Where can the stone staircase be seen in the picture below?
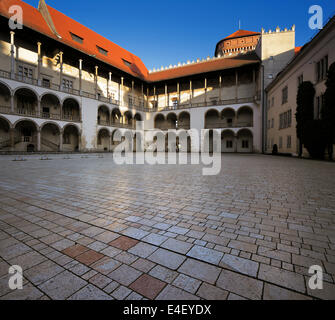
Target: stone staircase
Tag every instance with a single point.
(51, 145)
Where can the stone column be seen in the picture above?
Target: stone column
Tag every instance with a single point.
(235, 143)
(148, 97)
(191, 93)
(12, 106)
(61, 140)
(38, 140)
(12, 138)
(80, 75)
(155, 104)
(178, 92)
(61, 70)
(166, 96)
(38, 113)
(39, 63)
(79, 140)
(109, 82)
(96, 81)
(121, 92)
(12, 52)
(220, 87)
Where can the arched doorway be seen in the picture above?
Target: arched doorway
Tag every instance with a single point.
(103, 116)
(71, 110)
(128, 119)
(228, 143)
(50, 137)
(116, 117)
(103, 140)
(171, 121)
(228, 118)
(71, 138)
(26, 133)
(5, 97)
(212, 119)
(50, 107)
(137, 118)
(184, 121)
(245, 117)
(244, 141)
(160, 122)
(5, 141)
(26, 102)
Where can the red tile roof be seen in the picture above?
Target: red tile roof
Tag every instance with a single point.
(203, 67)
(64, 25)
(297, 50)
(32, 18)
(241, 33)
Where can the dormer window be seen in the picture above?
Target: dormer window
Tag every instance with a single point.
(102, 51)
(77, 38)
(127, 63)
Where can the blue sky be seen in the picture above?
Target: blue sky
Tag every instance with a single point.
(171, 31)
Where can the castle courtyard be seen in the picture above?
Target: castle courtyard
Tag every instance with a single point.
(82, 227)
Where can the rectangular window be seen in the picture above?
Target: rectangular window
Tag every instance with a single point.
(102, 51)
(46, 83)
(300, 79)
(127, 63)
(77, 38)
(25, 72)
(245, 144)
(289, 142)
(322, 69)
(273, 101)
(229, 144)
(284, 95)
(67, 84)
(280, 142)
(285, 120)
(273, 123)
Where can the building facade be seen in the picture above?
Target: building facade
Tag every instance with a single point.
(311, 63)
(64, 87)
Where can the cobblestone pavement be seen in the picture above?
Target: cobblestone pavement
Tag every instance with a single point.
(86, 228)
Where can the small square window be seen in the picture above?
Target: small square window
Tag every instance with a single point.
(77, 38)
(102, 51)
(127, 63)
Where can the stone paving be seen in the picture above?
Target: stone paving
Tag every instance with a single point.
(86, 228)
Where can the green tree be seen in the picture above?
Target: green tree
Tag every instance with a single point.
(305, 111)
(328, 111)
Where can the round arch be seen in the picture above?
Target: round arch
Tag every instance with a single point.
(71, 138)
(159, 121)
(25, 135)
(50, 106)
(50, 136)
(212, 119)
(184, 120)
(103, 115)
(116, 115)
(5, 97)
(245, 116)
(71, 109)
(103, 139)
(26, 101)
(172, 120)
